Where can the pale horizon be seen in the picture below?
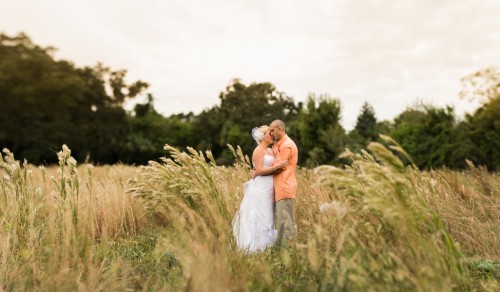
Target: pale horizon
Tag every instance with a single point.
(386, 53)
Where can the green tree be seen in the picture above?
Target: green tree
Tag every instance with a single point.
(244, 107)
(366, 124)
(47, 103)
(365, 131)
(430, 136)
(482, 129)
(321, 136)
(207, 131)
(150, 131)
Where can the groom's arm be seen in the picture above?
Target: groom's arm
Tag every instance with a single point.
(286, 154)
(278, 171)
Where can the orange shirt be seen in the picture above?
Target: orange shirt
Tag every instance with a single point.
(285, 183)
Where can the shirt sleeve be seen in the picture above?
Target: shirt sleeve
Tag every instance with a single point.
(286, 153)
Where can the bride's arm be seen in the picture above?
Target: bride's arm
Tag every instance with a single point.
(260, 169)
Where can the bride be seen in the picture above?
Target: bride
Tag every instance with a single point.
(253, 224)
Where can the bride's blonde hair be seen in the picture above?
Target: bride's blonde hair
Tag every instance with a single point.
(263, 129)
(258, 133)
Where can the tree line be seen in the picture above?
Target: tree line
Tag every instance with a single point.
(48, 102)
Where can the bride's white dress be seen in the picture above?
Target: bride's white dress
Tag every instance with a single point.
(253, 224)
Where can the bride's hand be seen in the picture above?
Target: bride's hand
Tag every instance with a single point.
(281, 164)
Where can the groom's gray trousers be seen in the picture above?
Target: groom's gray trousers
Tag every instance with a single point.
(285, 220)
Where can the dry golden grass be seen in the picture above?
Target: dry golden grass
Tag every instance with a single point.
(469, 203)
(376, 225)
(53, 220)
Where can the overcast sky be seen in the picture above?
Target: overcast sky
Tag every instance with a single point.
(389, 53)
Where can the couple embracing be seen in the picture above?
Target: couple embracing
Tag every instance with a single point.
(272, 190)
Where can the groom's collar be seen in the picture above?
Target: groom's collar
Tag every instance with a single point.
(279, 143)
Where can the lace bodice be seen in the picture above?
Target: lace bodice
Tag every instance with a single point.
(268, 160)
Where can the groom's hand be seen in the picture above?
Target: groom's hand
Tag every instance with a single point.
(253, 174)
(278, 171)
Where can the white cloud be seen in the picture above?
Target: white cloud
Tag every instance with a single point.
(385, 52)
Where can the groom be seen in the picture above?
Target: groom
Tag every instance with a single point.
(285, 182)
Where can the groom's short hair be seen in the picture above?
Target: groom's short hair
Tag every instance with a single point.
(279, 124)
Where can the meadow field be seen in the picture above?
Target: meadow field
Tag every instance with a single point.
(376, 225)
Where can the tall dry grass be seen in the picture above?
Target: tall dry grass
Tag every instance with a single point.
(53, 220)
(469, 204)
(376, 225)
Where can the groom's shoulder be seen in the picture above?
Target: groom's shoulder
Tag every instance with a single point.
(289, 142)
